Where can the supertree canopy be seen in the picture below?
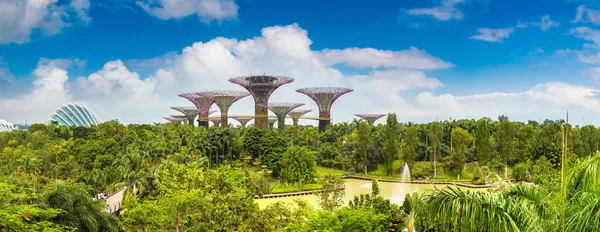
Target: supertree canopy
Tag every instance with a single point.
(189, 111)
(297, 114)
(370, 118)
(215, 120)
(281, 109)
(243, 120)
(173, 120)
(203, 105)
(224, 99)
(324, 97)
(261, 87)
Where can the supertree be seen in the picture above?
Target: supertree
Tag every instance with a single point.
(243, 120)
(189, 111)
(297, 114)
(224, 99)
(203, 105)
(173, 120)
(281, 109)
(271, 120)
(370, 118)
(324, 97)
(261, 87)
(215, 120)
(179, 116)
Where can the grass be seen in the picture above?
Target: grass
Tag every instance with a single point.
(322, 171)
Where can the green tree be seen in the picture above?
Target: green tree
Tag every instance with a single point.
(435, 133)
(590, 137)
(482, 141)
(374, 187)
(331, 196)
(505, 136)
(80, 210)
(526, 143)
(409, 145)
(365, 143)
(461, 140)
(390, 146)
(298, 165)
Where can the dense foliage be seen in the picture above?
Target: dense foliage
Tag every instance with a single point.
(180, 177)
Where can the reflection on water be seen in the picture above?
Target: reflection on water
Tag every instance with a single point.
(393, 191)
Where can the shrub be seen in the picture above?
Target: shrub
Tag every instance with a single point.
(520, 172)
(481, 175)
(421, 170)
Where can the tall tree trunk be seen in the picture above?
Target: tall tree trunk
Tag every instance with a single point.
(435, 162)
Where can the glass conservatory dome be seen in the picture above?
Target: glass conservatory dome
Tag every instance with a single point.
(6, 126)
(74, 115)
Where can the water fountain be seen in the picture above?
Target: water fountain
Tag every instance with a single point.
(406, 176)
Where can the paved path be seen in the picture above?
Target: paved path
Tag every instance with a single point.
(114, 201)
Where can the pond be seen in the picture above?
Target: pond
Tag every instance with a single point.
(393, 191)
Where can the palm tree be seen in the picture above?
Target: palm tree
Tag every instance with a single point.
(453, 209)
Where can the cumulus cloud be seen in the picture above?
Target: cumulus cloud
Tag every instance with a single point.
(373, 58)
(50, 90)
(206, 10)
(19, 19)
(493, 35)
(544, 24)
(447, 10)
(587, 15)
(547, 100)
(117, 92)
(6, 77)
(586, 33)
(81, 8)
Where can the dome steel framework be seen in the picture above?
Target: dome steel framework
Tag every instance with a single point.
(6, 126)
(73, 114)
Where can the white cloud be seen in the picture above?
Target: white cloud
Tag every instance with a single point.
(206, 10)
(18, 19)
(590, 59)
(594, 73)
(374, 58)
(586, 33)
(561, 52)
(544, 24)
(587, 15)
(447, 10)
(81, 8)
(6, 77)
(547, 100)
(493, 35)
(117, 92)
(50, 90)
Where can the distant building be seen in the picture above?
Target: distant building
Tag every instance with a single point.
(6, 126)
(74, 115)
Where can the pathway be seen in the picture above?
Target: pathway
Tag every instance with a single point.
(114, 201)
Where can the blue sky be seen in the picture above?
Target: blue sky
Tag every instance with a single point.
(427, 59)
